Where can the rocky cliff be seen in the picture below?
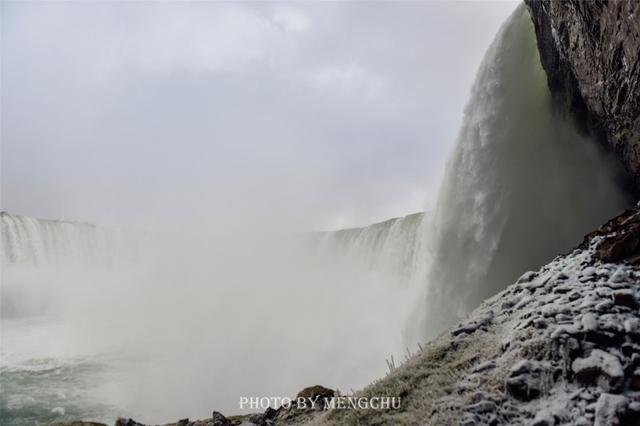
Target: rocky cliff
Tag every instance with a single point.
(591, 53)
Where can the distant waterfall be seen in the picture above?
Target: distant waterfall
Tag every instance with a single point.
(521, 187)
(27, 241)
(392, 247)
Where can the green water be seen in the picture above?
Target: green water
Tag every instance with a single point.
(45, 390)
(42, 381)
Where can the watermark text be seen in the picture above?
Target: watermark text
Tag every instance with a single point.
(321, 403)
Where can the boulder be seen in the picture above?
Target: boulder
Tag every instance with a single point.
(316, 391)
(600, 368)
(218, 419)
(525, 380)
(610, 409)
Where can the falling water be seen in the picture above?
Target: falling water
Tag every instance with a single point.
(30, 241)
(522, 186)
(391, 247)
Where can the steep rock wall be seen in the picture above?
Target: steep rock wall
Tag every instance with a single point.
(591, 53)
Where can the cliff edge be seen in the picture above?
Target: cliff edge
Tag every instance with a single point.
(590, 51)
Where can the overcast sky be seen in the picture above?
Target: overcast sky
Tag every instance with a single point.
(327, 114)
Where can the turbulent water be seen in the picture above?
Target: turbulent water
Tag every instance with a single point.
(42, 382)
(197, 320)
(204, 318)
(42, 378)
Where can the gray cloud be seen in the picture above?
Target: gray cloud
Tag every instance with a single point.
(321, 114)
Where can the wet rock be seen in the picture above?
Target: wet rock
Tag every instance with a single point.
(590, 51)
(525, 380)
(589, 322)
(588, 273)
(317, 395)
(582, 421)
(623, 246)
(472, 326)
(632, 326)
(540, 323)
(527, 277)
(604, 306)
(267, 418)
(600, 368)
(482, 407)
(634, 383)
(257, 419)
(621, 241)
(121, 421)
(316, 391)
(543, 418)
(470, 421)
(619, 276)
(624, 298)
(610, 409)
(77, 423)
(217, 419)
(633, 410)
(488, 365)
(604, 338)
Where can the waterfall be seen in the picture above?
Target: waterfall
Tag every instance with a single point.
(29, 242)
(391, 247)
(39, 257)
(522, 185)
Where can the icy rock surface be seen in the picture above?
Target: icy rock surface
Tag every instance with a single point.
(572, 340)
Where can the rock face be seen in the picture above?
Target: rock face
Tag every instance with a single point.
(621, 239)
(591, 53)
